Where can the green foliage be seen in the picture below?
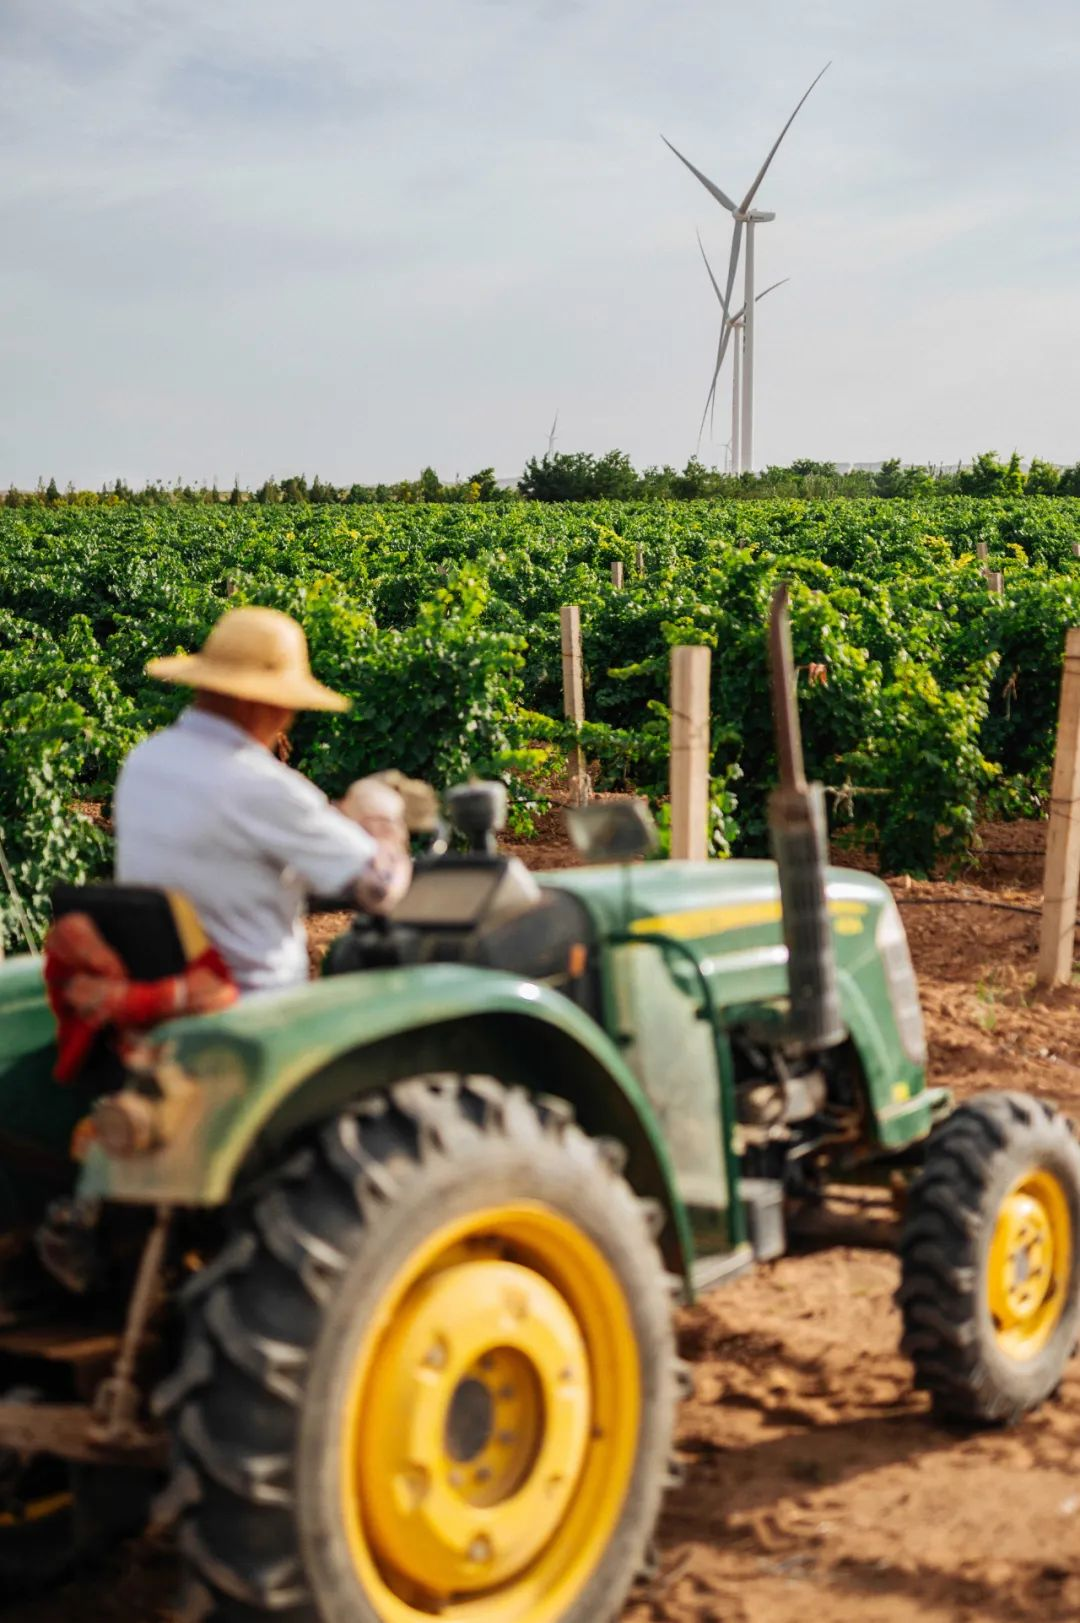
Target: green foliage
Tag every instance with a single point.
(1013, 479)
(64, 729)
(581, 476)
(893, 480)
(989, 477)
(578, 477)
(485, 485)
(1043, 479)
(925, 699)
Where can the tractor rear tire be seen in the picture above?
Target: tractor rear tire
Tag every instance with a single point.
(990, 1254)
(432, 1375)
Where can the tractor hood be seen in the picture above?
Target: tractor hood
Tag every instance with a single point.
(726, 907)
(728, 916)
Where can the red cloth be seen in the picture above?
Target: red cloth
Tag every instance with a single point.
(90, 989)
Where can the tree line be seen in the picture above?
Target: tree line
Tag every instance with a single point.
(578, 476)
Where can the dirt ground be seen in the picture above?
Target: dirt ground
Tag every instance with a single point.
(816, 1483)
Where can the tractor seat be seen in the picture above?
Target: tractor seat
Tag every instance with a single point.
(155, 932)
(119, 959)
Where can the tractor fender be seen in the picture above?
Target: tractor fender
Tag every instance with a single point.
(251, 1078)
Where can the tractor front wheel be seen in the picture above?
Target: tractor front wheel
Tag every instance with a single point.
(990, 1252)
(432, 1377)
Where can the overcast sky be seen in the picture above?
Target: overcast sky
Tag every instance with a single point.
(352, 237)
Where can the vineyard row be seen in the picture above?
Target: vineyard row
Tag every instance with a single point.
(929, 700)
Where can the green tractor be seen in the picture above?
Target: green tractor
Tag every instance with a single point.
(373, 1281)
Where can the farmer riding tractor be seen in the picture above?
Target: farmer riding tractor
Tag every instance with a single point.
(380, 1271)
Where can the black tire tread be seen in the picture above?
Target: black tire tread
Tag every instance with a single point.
(940, 1282)
(233, 1403)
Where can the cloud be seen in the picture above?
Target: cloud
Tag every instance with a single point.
(248, 234)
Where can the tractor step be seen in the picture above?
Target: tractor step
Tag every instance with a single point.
(766, 1236)
(721, 1270)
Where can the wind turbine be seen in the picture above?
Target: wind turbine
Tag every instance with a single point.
(744, 214)
(739, 325)
(551, 435)
(731, 324)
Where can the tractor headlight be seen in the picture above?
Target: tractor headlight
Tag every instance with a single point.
(892, 944)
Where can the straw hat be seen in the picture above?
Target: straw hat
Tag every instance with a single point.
(252, 653)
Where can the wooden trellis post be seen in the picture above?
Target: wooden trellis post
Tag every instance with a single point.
(573, 680)
(982, 551)
(1061, 881)
(995, 580)
(616, 573)
(690, 752)
(639, 557)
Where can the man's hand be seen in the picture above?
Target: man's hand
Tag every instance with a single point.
(384, 881)
(413, 806)
(378, 809)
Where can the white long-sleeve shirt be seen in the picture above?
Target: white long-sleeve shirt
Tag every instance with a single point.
(204, 809)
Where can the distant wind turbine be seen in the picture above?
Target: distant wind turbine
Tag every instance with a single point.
(551, 435)
(730, 324)
(744, 214)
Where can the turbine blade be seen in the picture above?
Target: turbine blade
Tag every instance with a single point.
(730, 331)
(712, 278)
(772, 288)
(726, 330)
(706, 414)
(725, 338)
(760, 176)
(733, 264)
(709, 185)
(710, 398)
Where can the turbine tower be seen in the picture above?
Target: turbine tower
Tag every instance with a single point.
(744, 215)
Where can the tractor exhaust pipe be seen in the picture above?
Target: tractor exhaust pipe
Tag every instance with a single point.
(799, 838)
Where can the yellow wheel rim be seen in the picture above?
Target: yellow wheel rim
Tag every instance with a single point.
(492, 1423)
(1029, 1264)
